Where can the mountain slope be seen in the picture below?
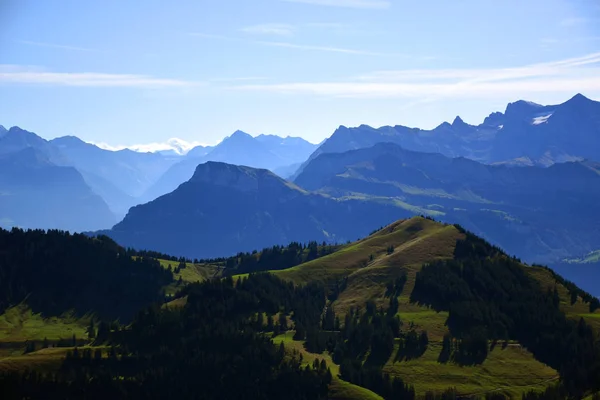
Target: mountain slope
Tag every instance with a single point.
(362, 272)
(129, 171)
(17, 139)
(265, 151)
(540, 134)
(291, 149)
(541, 214)
(35, 193)
(224, 209)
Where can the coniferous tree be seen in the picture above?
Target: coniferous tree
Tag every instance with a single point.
(91, 330)
(283, 325)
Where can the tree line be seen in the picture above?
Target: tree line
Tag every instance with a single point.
(57, 272)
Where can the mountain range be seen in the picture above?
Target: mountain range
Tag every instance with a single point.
(265, 151)
(525, 134)
(540, 214)
(456, 172)
(126, 178)
(36, 193)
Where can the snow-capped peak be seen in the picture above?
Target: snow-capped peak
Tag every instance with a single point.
(175, 145)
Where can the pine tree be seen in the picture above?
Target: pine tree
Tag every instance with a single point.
(260, 320)
(423, 341)
(300, 333)
(555, 297)
(283, 322)
(91, 331)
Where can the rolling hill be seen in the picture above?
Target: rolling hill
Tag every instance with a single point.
(366, 268)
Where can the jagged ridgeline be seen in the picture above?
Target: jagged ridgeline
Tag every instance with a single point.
(418, 309)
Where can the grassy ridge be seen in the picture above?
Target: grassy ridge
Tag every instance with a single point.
(356, 256)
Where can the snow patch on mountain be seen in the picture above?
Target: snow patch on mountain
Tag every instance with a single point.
(541, 119)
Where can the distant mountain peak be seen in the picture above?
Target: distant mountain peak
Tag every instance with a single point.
(240, 134)
(69, 139)
(495, 119)
(445, 125)
(242, 178)
(578, 100)
(579, 97)
(522, 109)
(458, 122)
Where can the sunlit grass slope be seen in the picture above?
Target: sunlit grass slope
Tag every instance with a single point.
(20, 324)
(414, 241)
(512, 371)
(338, 389)
(368, 267)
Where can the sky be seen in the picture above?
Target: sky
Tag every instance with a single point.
(125, 73)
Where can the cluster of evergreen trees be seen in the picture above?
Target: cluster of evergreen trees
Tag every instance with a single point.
(277, 257)
(574, 290)
(371, 333)
(489, 296)
(213, 348)
(57, 272)
(268, 259)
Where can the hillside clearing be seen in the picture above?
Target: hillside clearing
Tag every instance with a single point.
(20, 324)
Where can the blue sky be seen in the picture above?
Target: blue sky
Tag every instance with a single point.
(130, 72)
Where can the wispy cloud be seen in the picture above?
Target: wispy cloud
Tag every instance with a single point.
(239, 79)
(369, 4)
(297, 46)
(321, 48)
(177, 145)
(569, 75)
(270, 29)
(34, 75)
(56, 46)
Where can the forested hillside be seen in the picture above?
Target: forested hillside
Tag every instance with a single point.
(418, 309)
(55, 272)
